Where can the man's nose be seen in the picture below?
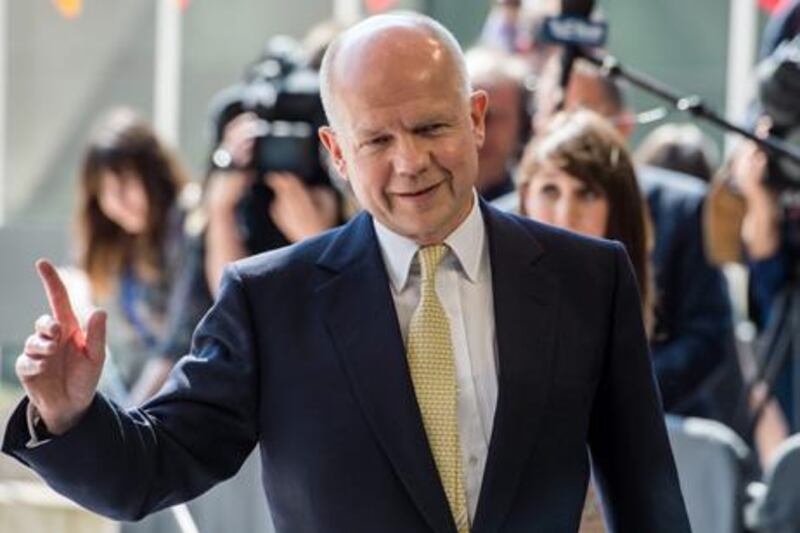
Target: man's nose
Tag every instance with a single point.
(411, 156)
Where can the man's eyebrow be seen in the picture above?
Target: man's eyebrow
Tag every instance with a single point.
(369, 132)
(443, 116)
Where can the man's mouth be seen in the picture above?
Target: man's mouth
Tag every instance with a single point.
(420, 192)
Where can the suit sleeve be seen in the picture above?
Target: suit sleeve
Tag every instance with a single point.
(631, 456)
(196, 432)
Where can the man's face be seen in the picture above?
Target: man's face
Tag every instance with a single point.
(406, 137)
(502, 133)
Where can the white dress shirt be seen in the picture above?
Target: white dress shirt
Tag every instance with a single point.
(464, 286)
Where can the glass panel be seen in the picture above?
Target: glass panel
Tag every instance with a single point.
(219, 40)
(62, 75)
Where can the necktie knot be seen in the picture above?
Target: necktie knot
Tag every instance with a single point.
(429, 259)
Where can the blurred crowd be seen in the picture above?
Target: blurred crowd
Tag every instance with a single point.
(152, 243)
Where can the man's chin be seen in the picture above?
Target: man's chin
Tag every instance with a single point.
(435, 231)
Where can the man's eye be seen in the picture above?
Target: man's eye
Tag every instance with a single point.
(377, 141)
(430, 129)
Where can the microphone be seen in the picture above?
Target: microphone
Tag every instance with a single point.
(573, 30)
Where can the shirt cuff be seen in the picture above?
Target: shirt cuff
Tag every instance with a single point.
(36, 428)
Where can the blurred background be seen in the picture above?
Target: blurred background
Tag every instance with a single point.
(64, 62)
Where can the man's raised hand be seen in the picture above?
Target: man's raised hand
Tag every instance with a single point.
(61, 364)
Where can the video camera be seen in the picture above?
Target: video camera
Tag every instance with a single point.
(284, 93)
(779, 99)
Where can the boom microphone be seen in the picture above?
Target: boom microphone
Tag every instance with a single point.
(573, 30)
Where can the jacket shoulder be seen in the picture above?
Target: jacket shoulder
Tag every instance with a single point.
(552, 239)
(298, 257)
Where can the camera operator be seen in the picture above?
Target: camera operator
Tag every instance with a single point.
(767, 226)
(268, 186)
(297, 210)
(770, 234)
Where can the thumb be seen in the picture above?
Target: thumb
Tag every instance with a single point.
(96, 336)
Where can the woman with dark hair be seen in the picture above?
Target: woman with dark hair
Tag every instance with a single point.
(132, 246)
(578, 174)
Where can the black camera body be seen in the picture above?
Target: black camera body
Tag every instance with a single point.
(284, 93)
(779, 99)
(288, 141)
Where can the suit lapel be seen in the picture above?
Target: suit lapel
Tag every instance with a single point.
(362, 321)
(525, 296)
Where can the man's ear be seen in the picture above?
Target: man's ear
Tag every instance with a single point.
(329, 140)
(478, 104)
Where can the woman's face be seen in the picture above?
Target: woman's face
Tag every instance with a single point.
(557, 198)
(123, 200)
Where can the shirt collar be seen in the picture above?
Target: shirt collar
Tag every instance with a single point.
(467, 243)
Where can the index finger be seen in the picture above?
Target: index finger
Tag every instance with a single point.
(57, 296)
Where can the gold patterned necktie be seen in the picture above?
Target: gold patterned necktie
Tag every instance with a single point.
(433, 371)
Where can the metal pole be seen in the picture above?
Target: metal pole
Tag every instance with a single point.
(742, 44)
(346, 11)
(183, 518)
(4, 47)
(691, 104)
(166, 95)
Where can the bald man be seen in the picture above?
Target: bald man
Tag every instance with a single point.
(433, 366)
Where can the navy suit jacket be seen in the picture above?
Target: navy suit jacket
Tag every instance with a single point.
(302, 355)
